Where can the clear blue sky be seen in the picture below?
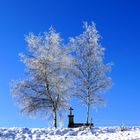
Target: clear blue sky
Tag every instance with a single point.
(118, 22)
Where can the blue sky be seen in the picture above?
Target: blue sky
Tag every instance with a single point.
(118, 22)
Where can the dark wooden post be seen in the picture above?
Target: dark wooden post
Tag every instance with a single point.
(71, 119)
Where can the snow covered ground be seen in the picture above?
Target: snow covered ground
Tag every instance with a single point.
(97, 133)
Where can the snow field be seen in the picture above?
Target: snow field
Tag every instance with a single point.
(97, 133)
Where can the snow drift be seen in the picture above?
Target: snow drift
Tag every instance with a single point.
(96, 133)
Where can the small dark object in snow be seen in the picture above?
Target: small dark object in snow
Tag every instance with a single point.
(75, 125)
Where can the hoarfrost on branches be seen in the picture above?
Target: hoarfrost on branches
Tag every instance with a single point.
(54, 70)
(90, 71)
(47, 83)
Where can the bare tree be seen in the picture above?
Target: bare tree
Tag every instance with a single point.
(90, 71)
(47, 83)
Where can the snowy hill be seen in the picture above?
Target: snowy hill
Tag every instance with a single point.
(97, 133)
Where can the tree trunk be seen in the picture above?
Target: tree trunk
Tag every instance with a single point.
(55, 119)
(88, 107)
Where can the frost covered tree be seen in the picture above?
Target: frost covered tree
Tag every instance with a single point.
(90, 71)
(45, 89)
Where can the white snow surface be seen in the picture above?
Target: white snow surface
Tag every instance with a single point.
(96, 133)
